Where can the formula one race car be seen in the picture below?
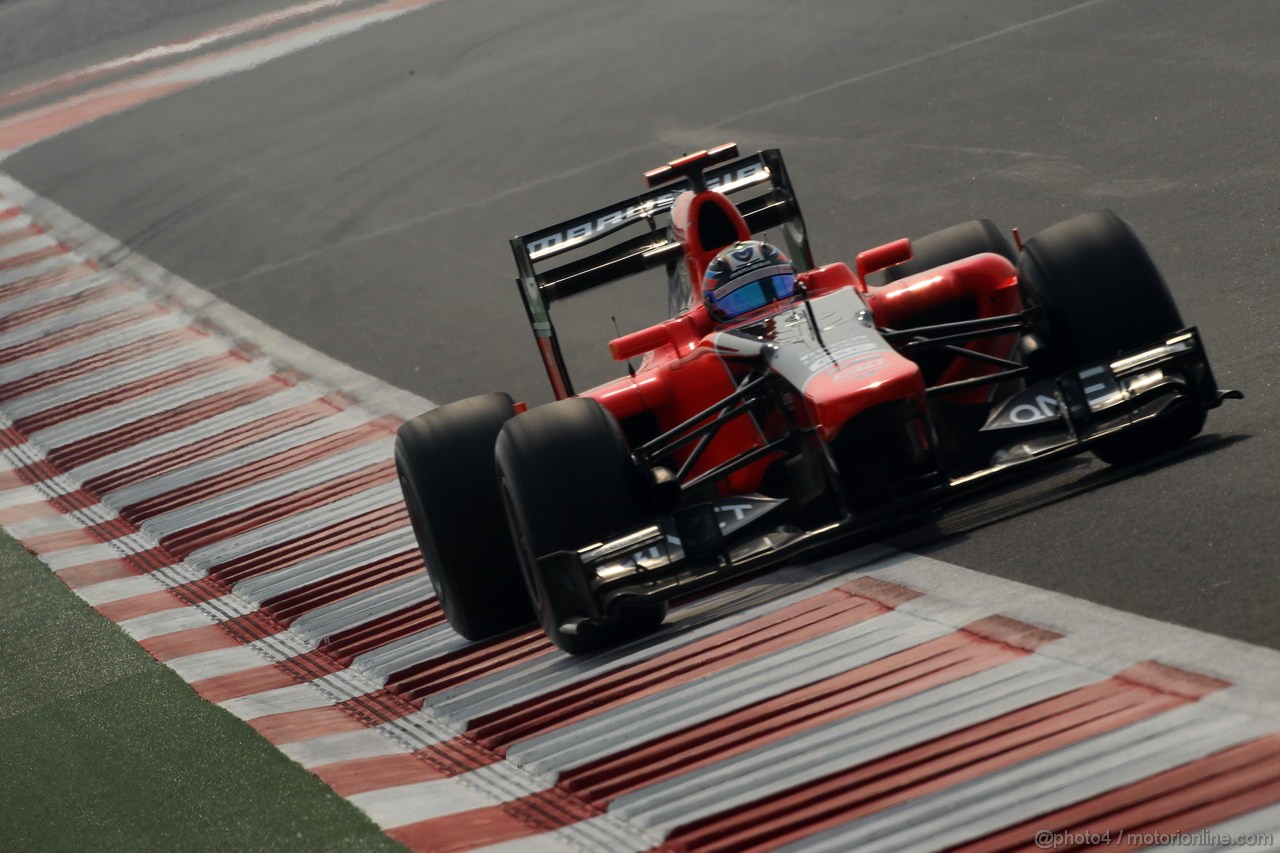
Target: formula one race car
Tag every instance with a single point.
(777, 410)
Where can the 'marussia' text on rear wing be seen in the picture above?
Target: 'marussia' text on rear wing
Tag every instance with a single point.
(560, 261)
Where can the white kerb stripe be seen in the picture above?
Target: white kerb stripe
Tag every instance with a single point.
(22, 273)
(295, 697)
(39, 296)
(405, 804)
(26, 245)
(81, 555)
(739, 686)
(855, 740)
(344, 746)
(549, 673)
(264, 407)
(327, 468)
(103, 379)
(96, 310)
(119, 589)
(89, 346)
(203, 559)
(229, 460)
(326, 565)
(398, 655)
(362, 608)
(1262, 822)
(114, 417)
(181, 618)
(218, 662)
(1046, 783)
(13, 223)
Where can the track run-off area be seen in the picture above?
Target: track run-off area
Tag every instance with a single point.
(223, 491)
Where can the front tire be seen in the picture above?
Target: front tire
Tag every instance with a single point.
(1098, 293)
(569, 481)
(444, 459)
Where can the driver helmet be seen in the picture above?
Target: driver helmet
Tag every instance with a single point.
(745, 277)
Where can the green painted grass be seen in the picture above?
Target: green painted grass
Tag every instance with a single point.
(103, 748)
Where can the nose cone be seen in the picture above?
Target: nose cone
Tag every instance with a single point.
(842, 390)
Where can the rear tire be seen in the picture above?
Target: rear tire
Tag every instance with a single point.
(444, 459)
(1098, 294)
(569, 481)
(965, 240)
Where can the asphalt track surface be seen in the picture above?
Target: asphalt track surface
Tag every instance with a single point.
(358, 196)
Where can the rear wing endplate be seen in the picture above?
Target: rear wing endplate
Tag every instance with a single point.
(559, 261)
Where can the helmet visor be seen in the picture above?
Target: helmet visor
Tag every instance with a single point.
(725, 304)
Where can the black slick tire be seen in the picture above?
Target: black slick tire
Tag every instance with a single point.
(444, 459)
(1098, 293)
(569, 481)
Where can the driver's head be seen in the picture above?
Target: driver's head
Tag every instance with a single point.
(747, 276)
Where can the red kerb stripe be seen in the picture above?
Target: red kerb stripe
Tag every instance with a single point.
(311, 544)
(253, 472)
(816, 616)
(130, 391)
(890, 679)
(204, 448)
(207, 532)
(1186, 798)
(96, 446)
(29, 258)
(844, 796)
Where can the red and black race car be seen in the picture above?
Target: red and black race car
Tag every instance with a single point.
(821, 405)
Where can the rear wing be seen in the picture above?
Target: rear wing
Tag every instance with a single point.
(560, 261)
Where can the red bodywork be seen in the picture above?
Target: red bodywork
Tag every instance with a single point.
(683, 373)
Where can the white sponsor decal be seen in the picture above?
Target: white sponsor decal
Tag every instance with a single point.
(586, 230)
(1042, 409)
